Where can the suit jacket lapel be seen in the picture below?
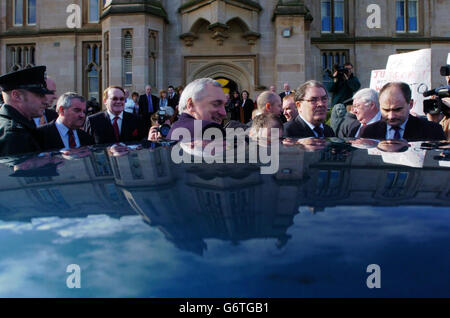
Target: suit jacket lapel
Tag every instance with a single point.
(109, 130)
(304, 127)
(411, 128)
(55, 136)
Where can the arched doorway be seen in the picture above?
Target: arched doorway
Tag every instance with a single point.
(229, 86)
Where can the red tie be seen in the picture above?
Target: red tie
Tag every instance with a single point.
(116, 128)
(72, 143)
(360, 130)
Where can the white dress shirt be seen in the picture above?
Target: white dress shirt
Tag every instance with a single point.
(119, 121)
(312, 126)
(64, 133)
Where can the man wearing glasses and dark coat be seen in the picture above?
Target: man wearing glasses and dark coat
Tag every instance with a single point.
(311, 99)
(114, 125)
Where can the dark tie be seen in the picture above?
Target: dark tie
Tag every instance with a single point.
(150, 103)
(361, 129)
(397, 133)
(116, 128)
(319, 131)
(72, 143)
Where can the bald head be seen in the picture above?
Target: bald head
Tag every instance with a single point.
(269, 102)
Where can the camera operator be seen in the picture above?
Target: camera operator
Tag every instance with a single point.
(160, 126)
(445, 122)
(437, 108)
(345, 84)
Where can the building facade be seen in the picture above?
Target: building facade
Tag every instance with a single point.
(251, 44)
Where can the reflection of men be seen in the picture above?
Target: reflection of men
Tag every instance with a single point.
(345, 84)
(367, 110)
(311, 100)
(114, 125)
(397, 123)
(65, 131)
(23, 92)
(148, 105)
(49, 114)
(204, 100)
(289, 107)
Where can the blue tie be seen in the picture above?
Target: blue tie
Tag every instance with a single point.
(150, 104)
(397, 133)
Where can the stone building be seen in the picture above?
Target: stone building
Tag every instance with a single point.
(90, 44)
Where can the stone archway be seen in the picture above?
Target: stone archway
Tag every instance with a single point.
(239, 70)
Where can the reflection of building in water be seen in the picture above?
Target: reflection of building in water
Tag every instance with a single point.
(84, 186)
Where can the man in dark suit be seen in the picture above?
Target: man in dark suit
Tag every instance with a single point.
(65, 131)
(311, 100)
(148, 105)
(397, 123)
(366, 107)
(49, 114)
(287, 91)
(114, 125)
(172, 97)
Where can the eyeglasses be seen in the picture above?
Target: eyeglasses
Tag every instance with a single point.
(315, 100)
(115, 99)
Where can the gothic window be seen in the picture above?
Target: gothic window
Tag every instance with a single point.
(152, 56)
(106, 58)
(21, 56)
(127, 57)
(330, 58)
(92, 70)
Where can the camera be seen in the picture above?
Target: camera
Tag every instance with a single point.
(435, 106)
(432, 106)
(340, 69)
(163, 128)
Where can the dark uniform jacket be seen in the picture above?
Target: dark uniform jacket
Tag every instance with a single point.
(17, 133)
(349, 126)
(416, 129)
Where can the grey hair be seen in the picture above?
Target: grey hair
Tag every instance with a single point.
(65, 100)
(367, 95)
(266, 97)
(196, 90)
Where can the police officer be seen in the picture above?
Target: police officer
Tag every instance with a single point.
(24, 95)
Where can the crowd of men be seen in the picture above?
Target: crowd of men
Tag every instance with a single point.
(28, 124)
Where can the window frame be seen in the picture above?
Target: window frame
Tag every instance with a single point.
(332, 18)
(406, 17)
(24, 15)
(88, 63)
(86, 8)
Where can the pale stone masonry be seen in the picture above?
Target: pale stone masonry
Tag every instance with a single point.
(253, 43)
